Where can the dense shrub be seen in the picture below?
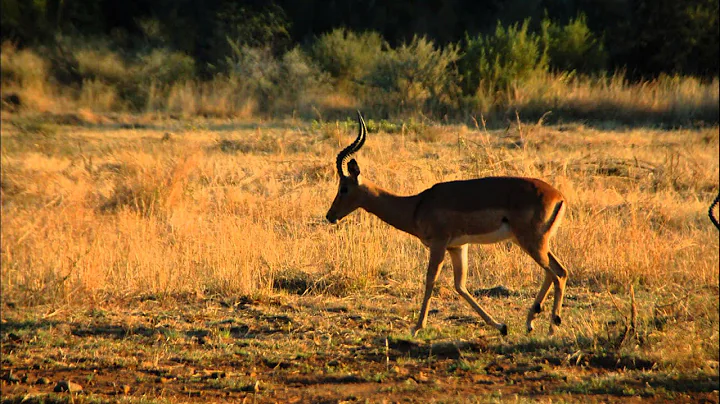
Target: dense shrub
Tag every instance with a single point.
(574, 47)
(165, 67)
(415, 76)
(348, 56)
(275, 82)
(492, 63)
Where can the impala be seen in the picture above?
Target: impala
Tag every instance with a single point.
(450, 215)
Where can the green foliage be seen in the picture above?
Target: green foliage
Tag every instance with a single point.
(493, 63)
(348, 56)
(259, 26)
(300, 76)
(415, 76)
(273, 81)
(647, 37)
(574, 46)
(267, 26)
(675, 37)
(166, 67)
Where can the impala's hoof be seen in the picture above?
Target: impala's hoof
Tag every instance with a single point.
(529, 328)
(503, 329)
(557, 320)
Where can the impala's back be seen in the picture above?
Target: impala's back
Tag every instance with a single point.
(488, 210)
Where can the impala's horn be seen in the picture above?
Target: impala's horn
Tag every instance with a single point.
(345, 154)
(713, 219)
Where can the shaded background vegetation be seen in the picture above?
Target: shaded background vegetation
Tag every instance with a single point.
(441, 59)
(645, 37)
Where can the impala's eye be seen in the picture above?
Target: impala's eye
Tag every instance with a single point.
(343, 190)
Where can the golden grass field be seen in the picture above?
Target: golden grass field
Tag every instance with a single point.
(106, 213)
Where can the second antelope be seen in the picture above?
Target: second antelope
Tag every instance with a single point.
(450, 215)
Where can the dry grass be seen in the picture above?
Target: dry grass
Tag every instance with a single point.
(25, 74)
(668, 99)
(225, 210)
(220, 209)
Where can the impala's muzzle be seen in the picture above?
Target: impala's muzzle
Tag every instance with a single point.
(331, 218)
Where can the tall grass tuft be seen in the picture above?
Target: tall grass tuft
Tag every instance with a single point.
(25, 73)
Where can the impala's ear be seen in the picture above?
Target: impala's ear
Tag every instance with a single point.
(353, 168)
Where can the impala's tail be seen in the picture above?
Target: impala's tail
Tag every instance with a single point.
(556, 218)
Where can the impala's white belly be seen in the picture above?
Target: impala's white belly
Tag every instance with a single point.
(502, 233)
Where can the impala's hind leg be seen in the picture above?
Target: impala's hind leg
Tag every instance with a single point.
(536, 308)
(561, 276)
(555, 273)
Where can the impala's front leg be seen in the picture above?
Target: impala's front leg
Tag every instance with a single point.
(459, 256)
(437, 255)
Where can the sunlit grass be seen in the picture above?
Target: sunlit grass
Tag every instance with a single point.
(223, 210)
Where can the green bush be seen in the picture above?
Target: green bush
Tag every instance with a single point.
(416, 76)
(493, 63)
(300, 77)
(275, 82)
(163, 66)
(575, 47)
(348, 56)
(129, 77)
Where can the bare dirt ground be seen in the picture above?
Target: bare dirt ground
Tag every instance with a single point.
(295, 349)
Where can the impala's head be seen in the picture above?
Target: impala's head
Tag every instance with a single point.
(348, 195)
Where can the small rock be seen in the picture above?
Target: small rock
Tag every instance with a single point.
(43, 380)
(68, 386)
(125, 389)
(162, 380)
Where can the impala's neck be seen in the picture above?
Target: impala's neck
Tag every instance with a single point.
(397, 211)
